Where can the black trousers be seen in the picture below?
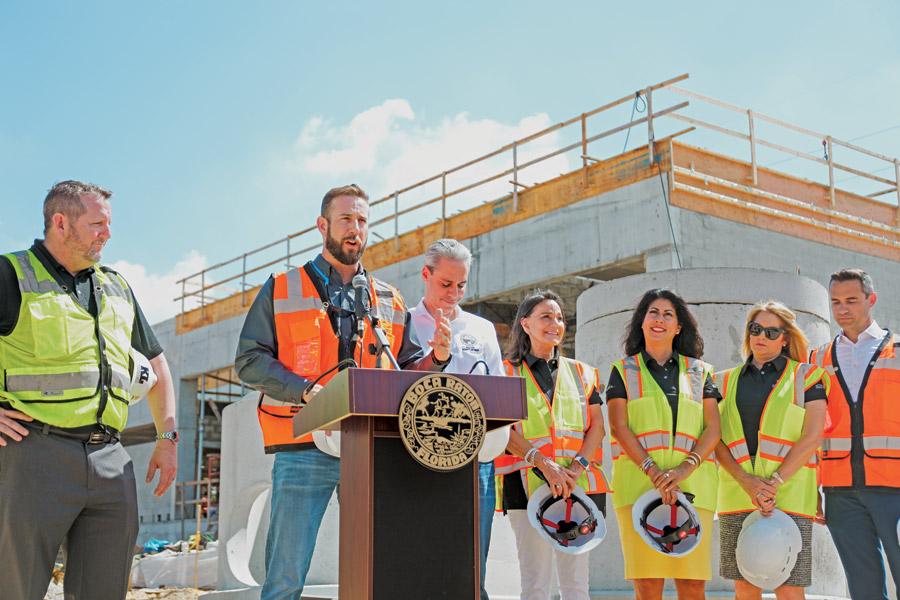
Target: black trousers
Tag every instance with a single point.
(59, 492)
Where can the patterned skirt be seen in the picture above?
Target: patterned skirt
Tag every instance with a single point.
(730, 529)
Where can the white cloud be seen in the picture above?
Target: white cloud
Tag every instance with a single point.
(390, 146)
(156, 292)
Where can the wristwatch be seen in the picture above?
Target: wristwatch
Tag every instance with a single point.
(168, 435)
(583, 462)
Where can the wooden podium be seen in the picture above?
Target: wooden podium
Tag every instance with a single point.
(405, 531)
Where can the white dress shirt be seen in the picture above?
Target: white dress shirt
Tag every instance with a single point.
(472, 339)
(853, 359)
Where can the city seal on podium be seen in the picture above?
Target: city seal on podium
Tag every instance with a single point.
(442, 422)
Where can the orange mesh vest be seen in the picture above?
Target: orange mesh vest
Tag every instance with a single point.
(556, 430)
(308, 345)
(861, 446)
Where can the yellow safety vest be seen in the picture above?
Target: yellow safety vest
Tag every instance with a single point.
(53, 367)
(556, 430)
(650, 419)
(780, 427)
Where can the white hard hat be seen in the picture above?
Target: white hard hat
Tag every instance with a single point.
(328, 442)
(494, 444)
(767, 549)
(572, 525)
(671, 530)
(143, 378)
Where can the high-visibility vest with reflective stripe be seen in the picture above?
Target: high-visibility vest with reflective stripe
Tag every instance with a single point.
(861, 446)
(780, 427)
(650, 419)
(308, 345)
(556, 429)
(51, 361)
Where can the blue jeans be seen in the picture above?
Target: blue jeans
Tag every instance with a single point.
(486, 508)
(860, 523)
(302, 484)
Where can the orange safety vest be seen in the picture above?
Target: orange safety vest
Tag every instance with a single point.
(308, 345)
(557, 441)
(861, 446)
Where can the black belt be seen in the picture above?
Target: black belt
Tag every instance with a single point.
(89, 435)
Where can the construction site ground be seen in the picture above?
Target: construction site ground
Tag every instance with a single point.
(55, 592)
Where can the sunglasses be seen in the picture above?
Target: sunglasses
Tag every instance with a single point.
(772, 333)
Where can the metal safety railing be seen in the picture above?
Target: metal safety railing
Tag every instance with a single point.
(405, 212)
(828, 144)
(209, 285)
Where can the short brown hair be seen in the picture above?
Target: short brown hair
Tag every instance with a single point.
(864, 279)
(65, 198)
(345, 190)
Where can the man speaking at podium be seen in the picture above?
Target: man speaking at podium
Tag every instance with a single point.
(302, 324)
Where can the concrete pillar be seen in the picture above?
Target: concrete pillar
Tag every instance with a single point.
(719, 299)
(244, 505)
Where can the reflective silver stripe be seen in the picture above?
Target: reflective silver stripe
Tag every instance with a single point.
(56, 382)
(888, 363)
(386, 310)
(813, 460)
(836, 444)
(592, 480)
(683, 442)
(615, 449)
(695, 371)
(771, 448)
(540, 442)
(563, 453)
(654, 440)
(819, 357)
(115, 288)
(120, 380)
(296, 304)
(800, 384)
(740, 451)
(581, 395)
(570, 434)
(881, 442)
(30, 283)
(512, 468)
(632, 377)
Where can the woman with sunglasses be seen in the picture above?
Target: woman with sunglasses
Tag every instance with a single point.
(773, 417)
(664, 421)
(560, 438)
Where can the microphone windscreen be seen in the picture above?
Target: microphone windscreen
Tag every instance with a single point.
(359, 281)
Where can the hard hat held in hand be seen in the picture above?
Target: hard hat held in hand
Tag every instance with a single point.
(572, 525)
(671, 530)
(328, 442)
(767, 549)
(143, 378)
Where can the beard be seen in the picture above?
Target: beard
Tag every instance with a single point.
(78, 247)
(336, 248)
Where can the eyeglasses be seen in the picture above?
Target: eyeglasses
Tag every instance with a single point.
(772, 333)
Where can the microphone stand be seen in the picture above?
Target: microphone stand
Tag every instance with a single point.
(381, 343)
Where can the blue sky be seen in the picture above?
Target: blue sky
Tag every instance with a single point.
(219, 125)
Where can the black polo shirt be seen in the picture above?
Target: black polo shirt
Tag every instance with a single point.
(79, 287)
(753, 389)
(666, 377)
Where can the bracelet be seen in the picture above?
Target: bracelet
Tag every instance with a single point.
(529, 456)
(694, 459)
(645, 466)
(777, 477)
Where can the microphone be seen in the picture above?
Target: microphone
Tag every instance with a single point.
(359, 285)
